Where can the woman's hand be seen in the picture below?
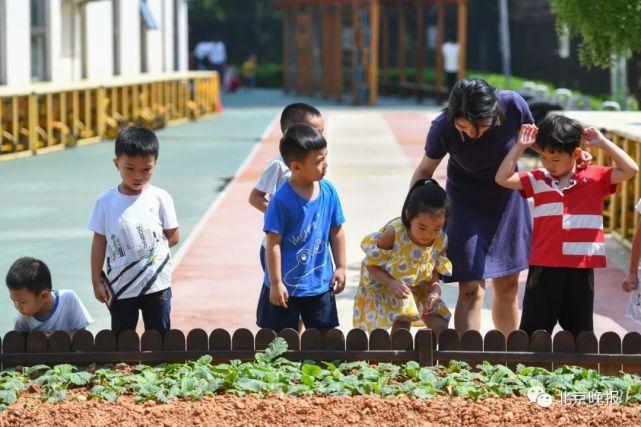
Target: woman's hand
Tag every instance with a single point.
(399, 289)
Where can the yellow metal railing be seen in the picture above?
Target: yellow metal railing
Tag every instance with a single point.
(47, 116)
(620, 218)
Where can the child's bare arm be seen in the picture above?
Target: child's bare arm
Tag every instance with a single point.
(278, 294)
(173, 236)
(625, 168)
(631, 280)
(506, 175)
(399, 289)
(337, 243)
(433, 289)
(257, 199)
(98, 250)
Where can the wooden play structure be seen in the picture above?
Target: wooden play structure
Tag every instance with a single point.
(47, 117)
(335, 48)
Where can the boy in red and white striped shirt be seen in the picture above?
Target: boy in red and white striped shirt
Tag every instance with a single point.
(567, 238)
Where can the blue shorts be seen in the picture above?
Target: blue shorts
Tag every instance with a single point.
(318, 311)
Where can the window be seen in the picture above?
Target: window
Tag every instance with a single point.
(116, 35)
(39, 40)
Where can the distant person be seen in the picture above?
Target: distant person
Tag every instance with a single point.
(450, 51)
(218, 58)
(41, 308)
(134, 224)
(248, 70)
(201, 54)
(305, 240)
(568, 242)
(231, 82)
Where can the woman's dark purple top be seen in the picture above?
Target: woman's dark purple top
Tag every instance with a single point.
(489, 226)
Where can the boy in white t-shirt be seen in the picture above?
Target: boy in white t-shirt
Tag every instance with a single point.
(134, 225)
(277, 172)
(41, 309)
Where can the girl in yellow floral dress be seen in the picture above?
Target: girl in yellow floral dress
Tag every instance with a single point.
(404, 260)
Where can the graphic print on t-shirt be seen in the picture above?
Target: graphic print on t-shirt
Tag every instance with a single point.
(303, 258)
(139, 240)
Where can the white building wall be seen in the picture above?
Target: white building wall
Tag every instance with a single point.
(65, 39)
(154, 39)
(129, 38)
(183, 28)
(65, 30)
(18, 37)
(167, 29)
(99, 39)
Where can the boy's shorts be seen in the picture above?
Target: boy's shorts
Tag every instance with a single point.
(318, 311)
(558, 294)
(155, 307)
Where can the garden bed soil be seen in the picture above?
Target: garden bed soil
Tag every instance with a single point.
(314, 411)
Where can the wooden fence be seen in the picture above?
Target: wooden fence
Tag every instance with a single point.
(47, 117)
(620, 215)
(610, 354)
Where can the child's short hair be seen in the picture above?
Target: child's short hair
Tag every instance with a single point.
(299, 140)
(559, 134)
(296, 113)
(30, 274)
(426, 195)
(136, 141)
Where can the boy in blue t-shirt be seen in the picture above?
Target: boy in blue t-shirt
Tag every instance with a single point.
(303, 222)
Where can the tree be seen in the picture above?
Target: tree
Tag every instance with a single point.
(607, 28)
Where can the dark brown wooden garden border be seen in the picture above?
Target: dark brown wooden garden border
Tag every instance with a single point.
(610, 354)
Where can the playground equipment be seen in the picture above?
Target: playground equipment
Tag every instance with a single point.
(333, 46)
(47, 117)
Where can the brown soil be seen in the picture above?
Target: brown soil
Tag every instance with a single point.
(321, 411)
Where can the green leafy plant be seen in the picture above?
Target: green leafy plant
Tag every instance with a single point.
(271, 373)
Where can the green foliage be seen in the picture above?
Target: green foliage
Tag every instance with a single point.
(271, 373)
(606, 27)
(271, 75)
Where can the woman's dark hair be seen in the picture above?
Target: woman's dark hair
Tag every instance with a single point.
(299, 140)
(424, 196)
(559, 134)
(474, 100)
